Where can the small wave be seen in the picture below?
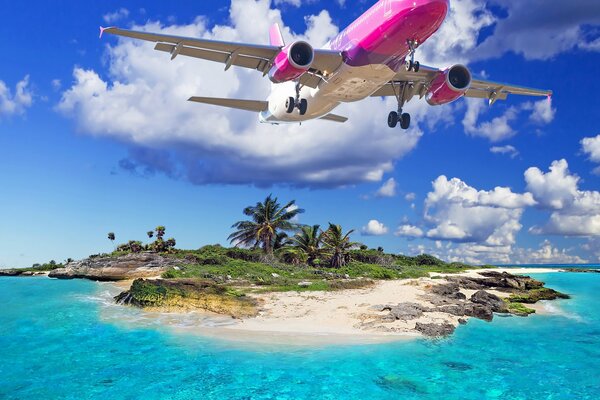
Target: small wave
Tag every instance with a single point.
(552, 308)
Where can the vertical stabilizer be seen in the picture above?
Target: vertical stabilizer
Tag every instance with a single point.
(275, 36)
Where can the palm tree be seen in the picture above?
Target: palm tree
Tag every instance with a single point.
(337, 245)
(308, 240)
(111, 237)
(267, 220)
(160, 232)
(150, 234)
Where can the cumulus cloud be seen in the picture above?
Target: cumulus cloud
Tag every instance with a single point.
(541, 29)
(547, 253)
(591, 146)
(461, 213)
(575, 212)
(15, 103)
(499, 128)
(374, 228)
(409, 231)
(388, 189)
(143, 103)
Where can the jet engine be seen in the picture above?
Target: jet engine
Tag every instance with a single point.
(292, 62)
(449, 85)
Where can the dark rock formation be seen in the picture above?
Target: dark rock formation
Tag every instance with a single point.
(491, 300)
(497, 280)
(130, 266)
(448, 290)
(404, 311)
(435, 330)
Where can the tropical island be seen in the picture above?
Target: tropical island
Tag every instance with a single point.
(281, 276)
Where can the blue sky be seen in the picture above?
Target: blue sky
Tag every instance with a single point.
(96, 136)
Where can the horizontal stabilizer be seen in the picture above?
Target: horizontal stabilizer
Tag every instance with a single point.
(334, 118)
(248, 105)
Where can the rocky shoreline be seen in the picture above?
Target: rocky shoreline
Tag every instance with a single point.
(482, 304)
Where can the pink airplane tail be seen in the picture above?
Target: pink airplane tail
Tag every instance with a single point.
(275, 36)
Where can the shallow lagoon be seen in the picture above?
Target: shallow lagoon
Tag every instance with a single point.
(57, 343)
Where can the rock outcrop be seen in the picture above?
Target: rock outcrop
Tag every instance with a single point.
(186, 294)
(495, 303)
(435, 330)
(130, 266)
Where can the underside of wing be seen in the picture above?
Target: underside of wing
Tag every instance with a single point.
(258, 57)
(407, 84)
(494, 91)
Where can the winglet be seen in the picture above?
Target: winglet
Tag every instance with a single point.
(102, 29)
(275, 36)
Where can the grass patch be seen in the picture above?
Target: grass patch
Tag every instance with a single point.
(519, 309)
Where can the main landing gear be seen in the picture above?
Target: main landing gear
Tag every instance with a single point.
(292, 103)
(398, 117)
(411, 64)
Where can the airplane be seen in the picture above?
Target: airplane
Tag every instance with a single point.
(373, 57)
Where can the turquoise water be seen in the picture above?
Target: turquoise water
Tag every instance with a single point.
(55, 344)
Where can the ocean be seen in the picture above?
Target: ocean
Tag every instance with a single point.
(59, 341)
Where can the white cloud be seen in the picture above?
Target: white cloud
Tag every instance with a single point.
(499, 128)
(459, 212)
(574, 212)
(410, 197)
(388, 189)
(143, 103)
(17, 103)
(546, 254)
(374, 228)
(409, 231)
(509, 150)
(591, 147)
(458, 36)
(543, 113)
(115, 16)
(541, 29)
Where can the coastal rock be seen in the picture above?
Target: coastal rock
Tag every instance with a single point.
(187, 294)
(497, 280)
(18, 272)
(435, 330)
(405, 311)
(448, 290)
(130, 266)
(468, 309)
(491, 300)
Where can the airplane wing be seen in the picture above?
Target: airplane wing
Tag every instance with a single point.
(258, 57)
(418, 85)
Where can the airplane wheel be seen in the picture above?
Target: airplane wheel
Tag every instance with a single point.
(417, 66)
(303, 106)
(409, 66)
(393, 119)
(290, 104)
(405, 121)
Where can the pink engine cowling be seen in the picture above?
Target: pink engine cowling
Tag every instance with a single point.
(449, 85)
(292, 62)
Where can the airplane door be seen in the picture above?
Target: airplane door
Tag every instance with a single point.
(387, 10)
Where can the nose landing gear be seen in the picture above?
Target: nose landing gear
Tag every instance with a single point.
(411, 64)
(292, 103)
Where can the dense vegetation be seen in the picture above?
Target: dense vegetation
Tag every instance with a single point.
(255, 270)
